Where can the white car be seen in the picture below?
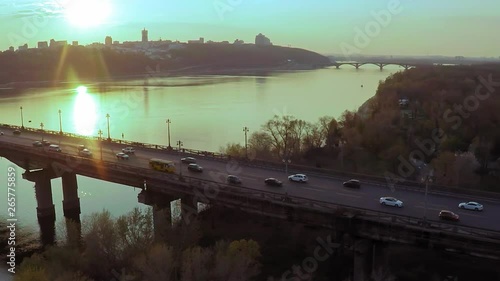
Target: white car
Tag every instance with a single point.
(298, 178)
(391, 201)
(128, 150)
(85, 153)
(122, 156)
(471, 206)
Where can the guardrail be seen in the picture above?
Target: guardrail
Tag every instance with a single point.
(335, 174)
(242, 192)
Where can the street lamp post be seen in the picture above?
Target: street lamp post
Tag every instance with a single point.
(60, 123)
(100, 140)
(41, 126)
(168, 131)
(180, 144)
(428, 178)
(245, 129)
(22, 120)
(109, 137)
(286, 161)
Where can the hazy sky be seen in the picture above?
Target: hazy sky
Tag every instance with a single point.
(423, 27)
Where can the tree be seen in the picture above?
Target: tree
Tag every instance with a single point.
(260, 145)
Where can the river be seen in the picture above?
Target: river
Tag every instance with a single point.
(206, 112)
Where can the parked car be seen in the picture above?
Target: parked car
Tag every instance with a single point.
(233, 179)
(195, 168)
(122, 156)
(298, 178)
(85, 153)
(16, 132)
(37, 144)
(448, 215)
(189, 160)
(273, 182)
(352, 183)
(128, 150)
(55, 148)
(471, 206)
(45, 143)
(391, 201)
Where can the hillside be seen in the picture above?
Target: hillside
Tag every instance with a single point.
(80, 63)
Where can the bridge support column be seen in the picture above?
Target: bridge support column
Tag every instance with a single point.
(43, 194)
(189, 209)
(162, 220)
(362, 254)
(71, 202)
(381, 67)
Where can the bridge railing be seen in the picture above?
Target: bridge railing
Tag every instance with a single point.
(189, 184)
(406, 184)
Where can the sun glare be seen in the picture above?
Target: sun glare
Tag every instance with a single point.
(84, 112)
(87, 13)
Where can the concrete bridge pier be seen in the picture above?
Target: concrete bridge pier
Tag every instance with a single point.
(47, 230)
(189, 209)
(362, 253)
(162, 220)
(71, 202)
(43, 194)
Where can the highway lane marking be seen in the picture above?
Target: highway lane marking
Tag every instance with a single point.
(348, 195)
(469, 214)
(312, 188)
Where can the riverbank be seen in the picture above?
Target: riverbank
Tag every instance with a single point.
(153, 72)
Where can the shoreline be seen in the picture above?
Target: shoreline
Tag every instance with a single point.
(186, 71)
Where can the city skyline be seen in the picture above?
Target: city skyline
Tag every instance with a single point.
(365, 27)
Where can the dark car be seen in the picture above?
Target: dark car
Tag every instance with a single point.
(37, 144)
(273, 182)
(233, 179)
(189, 160)
(352, 183)
(195, 168)
(16, 132)
(448, 215)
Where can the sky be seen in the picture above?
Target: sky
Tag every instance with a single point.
(371, 27)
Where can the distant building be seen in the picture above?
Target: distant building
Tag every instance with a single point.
(116, 42)
(11, 49)
(145, 35)
(108, 41)
(74, 43)
(262, 40)
(54, 43)
(23, 47)
(199, 41)
(43, 44)
(238, 42)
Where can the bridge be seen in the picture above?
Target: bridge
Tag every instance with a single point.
(380, 64)
(320, 202)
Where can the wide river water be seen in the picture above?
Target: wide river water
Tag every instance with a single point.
(206, 112)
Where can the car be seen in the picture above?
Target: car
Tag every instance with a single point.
(273, 182)
(1, 133)
(85, 153)
(352, 183)
(189, 160)
(391, 201)
(45, 143)
(471, 206)
(195, 168)
(54, 147)
(448, 215)
(37, 144)
(81, 147)
(16, 132)
(298, 178)
(122, 156)
(233, 179)
(128, 150)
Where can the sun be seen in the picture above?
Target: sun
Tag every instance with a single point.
(87, 13)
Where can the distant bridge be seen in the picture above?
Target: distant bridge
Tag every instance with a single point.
(381, 65)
